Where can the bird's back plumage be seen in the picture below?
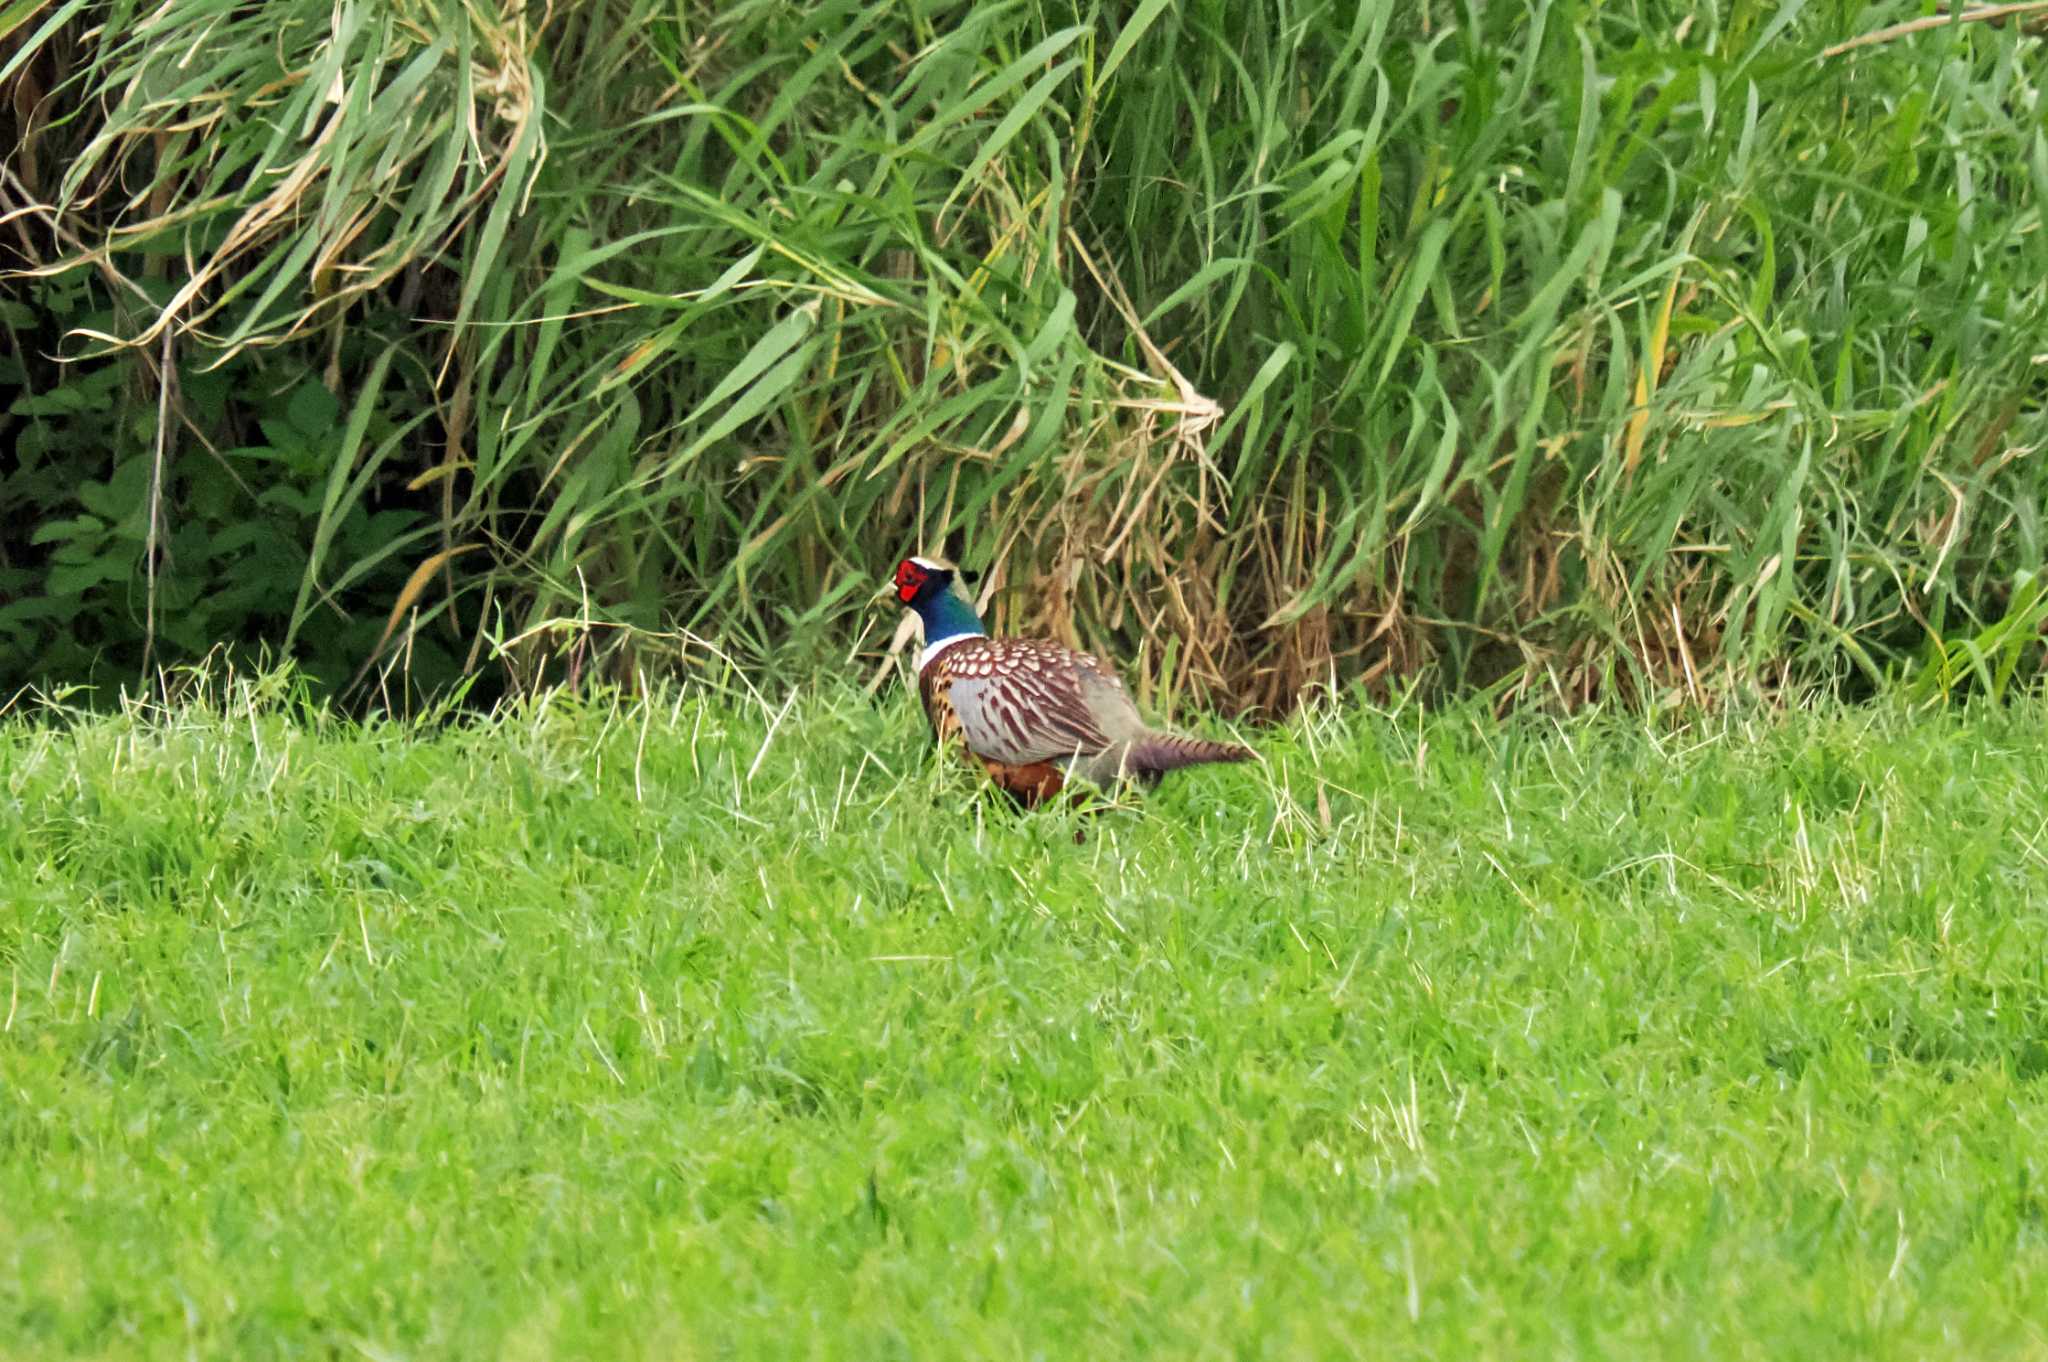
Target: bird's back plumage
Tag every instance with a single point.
(1034, 712)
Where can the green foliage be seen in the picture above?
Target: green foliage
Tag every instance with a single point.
(1567, 347)
(247, 522)
(667, 1029)
(1991, 657)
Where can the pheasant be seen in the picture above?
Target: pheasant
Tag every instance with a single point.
(1032, 712)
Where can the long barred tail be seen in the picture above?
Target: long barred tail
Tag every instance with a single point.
(1157, 753)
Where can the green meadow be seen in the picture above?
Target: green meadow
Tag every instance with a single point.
(711, 1025)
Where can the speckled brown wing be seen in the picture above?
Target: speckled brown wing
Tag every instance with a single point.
(1030, 783)
(1020, 701)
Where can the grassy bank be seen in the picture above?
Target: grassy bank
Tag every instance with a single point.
(675, 1030)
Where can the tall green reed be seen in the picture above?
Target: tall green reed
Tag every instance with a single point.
(1570, 349)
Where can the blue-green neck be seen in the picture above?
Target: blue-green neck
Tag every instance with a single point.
(947, 616)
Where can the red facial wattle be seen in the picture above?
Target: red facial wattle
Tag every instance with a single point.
(910, 579)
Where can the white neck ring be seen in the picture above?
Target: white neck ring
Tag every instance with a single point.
(937, 646)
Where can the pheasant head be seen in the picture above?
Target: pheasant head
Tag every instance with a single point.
(934, 590)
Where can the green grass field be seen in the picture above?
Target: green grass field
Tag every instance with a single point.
(673, 1031)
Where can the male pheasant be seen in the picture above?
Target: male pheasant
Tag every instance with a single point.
(1032, 712)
